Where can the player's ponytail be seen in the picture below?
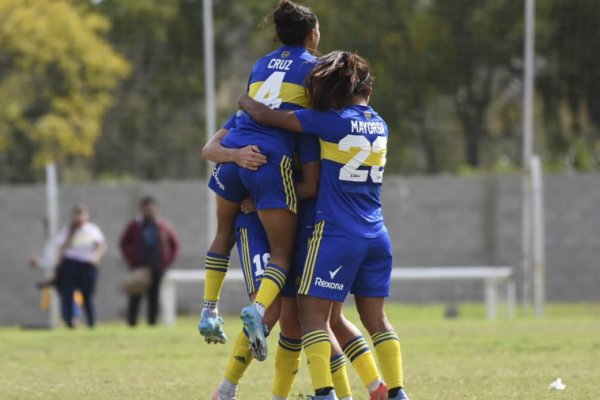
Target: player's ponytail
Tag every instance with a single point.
(293, 22)
(337, 78)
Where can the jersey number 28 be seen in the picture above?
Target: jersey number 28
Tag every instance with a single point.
(350, 171)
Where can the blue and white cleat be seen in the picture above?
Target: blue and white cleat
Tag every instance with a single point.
(210, 326)
(330, 396)
(256, 334)
(400, 396)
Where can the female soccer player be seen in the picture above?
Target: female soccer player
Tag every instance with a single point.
(253, 248)
(277, 80)
(350, 249)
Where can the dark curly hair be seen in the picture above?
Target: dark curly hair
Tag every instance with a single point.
(337, 78)
(293, 22)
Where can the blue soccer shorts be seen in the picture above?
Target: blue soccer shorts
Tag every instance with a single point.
(225, 181)
(254, 253)
(271, 186)
(339, 262)
(306, 225)
(253, 249)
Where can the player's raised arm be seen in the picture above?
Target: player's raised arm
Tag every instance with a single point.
(266, 116)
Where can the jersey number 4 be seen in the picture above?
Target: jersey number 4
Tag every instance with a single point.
(350, 171)
(270, 90)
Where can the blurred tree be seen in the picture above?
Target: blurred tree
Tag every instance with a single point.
(432, 58)
(56, 77)
(480, 41)
(569, 80)
(448, 80)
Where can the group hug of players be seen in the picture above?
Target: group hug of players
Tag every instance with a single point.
(298, 184)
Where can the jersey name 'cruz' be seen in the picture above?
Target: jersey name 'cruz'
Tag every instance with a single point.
(277, 80)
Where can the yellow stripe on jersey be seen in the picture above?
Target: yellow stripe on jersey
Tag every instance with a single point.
(288, 183)
(331, 151)
(246, 261)
(288, 92)
(311, 258)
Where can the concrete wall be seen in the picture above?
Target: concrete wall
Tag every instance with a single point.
(432, 221)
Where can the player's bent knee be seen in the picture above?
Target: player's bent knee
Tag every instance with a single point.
(290, 326)
(376, 322)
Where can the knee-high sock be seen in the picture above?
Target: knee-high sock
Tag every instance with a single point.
(270, 285)
(339, 375)
(387, 346)
(240, 358)
(216, 267)
(318, 352)
(287, 362)
(358, 352)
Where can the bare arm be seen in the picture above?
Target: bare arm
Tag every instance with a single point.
(248, 157)
(309, 186)
(264, 115)
(98, 253)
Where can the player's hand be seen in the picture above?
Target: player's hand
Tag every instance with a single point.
(247, 206)
(95, 261)
(244, 100)
(249, 157)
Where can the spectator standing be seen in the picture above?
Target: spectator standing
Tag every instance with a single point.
(82, 246)
(148, 241)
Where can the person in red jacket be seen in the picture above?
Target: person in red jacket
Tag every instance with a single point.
(148, 241)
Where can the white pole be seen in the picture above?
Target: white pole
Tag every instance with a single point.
(538, 258)
(210, 109)
(52, 217)
(528, 80)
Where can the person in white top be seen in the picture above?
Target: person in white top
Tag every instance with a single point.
(82, 246)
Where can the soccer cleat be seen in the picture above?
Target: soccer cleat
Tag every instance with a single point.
(330, 396)
(400, 396)
(381, 393)
(210, 326)
(221, 395)
(256, 334)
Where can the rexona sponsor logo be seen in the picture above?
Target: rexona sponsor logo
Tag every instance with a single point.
(329, 285)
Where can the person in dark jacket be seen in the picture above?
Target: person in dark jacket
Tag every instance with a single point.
(148, 241)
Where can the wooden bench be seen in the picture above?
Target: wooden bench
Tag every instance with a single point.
(493, 278)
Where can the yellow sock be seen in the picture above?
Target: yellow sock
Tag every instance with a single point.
(216, 267)
(270, 285)
(239, 360)
(287, 362)
(318, 352)
(387, 346)
(358, 352)
(339, 375)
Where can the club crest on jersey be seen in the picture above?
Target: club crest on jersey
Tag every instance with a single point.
(368, 115)
(285, 54)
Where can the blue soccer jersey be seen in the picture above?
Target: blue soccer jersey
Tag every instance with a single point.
(353, 154)
(230, 123)
(277, 80)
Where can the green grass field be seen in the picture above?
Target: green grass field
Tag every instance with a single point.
(465, 358)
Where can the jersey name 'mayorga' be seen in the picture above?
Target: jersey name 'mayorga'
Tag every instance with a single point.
(370, 127)
(277, 80)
